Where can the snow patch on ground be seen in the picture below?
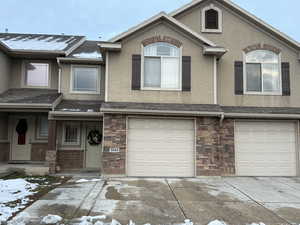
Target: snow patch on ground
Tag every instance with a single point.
(14, 196)
(217, 222)
(88, 55)
(21, 219)
(85, 180)
(51, 219)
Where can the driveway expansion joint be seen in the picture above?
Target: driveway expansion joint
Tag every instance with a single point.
(258, 203)
(176, 199)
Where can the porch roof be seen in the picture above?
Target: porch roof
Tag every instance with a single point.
(79, 106)
(28, 97)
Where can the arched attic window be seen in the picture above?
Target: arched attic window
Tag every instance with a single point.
(211, 19)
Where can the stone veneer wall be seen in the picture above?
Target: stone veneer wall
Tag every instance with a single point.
(4, 152)
(215, 147)
(70, 159)
(114, 136)
(38, 151)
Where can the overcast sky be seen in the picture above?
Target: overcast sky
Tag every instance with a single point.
(106, 18)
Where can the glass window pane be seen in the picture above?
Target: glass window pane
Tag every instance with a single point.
(43, 126)
(170, 73)
(271, 81)
(152, 73)
(253, 77)
(161, 49)
(37, 74)
(71, 133)
(262, 56)
(85, 79)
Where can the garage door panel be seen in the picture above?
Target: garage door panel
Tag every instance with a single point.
(265, 148)
(161, 147)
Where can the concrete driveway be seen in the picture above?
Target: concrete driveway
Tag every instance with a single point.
(234, 200)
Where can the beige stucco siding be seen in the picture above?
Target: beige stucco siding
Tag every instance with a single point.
(120, 70)
(4, 71)
(66, 82)
(17, 75)
(237, 35)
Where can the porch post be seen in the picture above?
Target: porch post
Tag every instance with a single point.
(51, 155)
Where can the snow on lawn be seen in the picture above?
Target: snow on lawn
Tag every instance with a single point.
(85, 180)
(14, 196)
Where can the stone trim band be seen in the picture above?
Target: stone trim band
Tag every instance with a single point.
(262, 47)
(165, 39)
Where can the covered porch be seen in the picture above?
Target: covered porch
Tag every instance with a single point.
(75, 137)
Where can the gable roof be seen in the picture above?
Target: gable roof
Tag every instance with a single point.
(59, 44)
(244, 13)
(163, 15)
(87, 50)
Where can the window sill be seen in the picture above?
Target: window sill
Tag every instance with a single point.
(211, 31)
(85, 93)
(161, 90)
(36, 87)
(262, 94)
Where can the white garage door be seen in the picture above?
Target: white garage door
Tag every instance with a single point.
(161, 148)
(265, 148)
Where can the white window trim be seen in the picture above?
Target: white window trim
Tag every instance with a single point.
(220, 18)
(279, 93)
(85, 92)
(24, 74)
(38, 135)
(77, 143)
(161, 89)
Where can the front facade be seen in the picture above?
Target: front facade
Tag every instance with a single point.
(206, 90)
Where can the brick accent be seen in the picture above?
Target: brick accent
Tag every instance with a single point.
(165, 39)
(4, 152)
(114, 136)
(262, 47)
(38, 151)
(215, 147)
(70, 159)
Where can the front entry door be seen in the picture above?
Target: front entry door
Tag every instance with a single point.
(93, 151)
(21, 147)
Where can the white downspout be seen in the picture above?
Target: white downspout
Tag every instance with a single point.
(215, 82)
(106, 76)
(59, 76)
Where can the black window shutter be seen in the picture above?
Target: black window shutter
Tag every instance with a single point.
(286, 84)
(136, 72)
(239, 79)
(186, 73)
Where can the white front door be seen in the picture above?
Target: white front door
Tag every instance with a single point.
(265, 148)
(22, 151)
(161, 148)
(93, 152)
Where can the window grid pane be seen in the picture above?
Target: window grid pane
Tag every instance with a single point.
(71, 134)
(85, 79)
(254, 79)
(152, 77)
(37, 74)
(43, 127)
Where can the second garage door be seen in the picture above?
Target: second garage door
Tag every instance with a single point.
(161, 148)
(265, 148)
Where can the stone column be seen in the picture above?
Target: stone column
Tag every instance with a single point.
(51, 153)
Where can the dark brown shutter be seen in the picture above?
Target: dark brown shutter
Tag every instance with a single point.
(186, 73)
(239, 80)
(136, 72)
(286, 85)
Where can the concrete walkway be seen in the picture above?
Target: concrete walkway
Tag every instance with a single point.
(235, 200)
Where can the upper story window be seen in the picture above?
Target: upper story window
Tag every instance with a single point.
(263, 73)
(162, 67)
(211, 19)
(85, 79)
(37, 74)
